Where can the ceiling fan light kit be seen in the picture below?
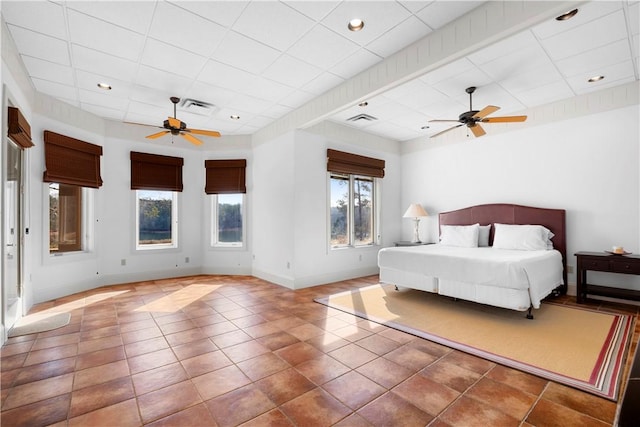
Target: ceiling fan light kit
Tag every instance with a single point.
(175, 126)
(473, 118)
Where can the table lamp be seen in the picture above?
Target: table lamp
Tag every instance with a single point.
(415, 211)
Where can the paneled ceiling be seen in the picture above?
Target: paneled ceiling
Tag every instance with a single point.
(260, 60)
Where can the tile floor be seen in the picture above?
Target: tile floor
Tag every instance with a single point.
(230, 350)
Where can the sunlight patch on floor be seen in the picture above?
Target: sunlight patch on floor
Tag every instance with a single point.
(179, 299)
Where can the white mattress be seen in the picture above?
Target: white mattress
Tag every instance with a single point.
(535, 273)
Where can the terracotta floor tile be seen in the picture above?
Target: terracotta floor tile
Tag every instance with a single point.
(26, 394)
(411, 357)
(219, 382)
(322, 369)
(305, 331)
(284, 385)
(17, 348)
(147, 346)
(277, 340)
(227, 339)
(547, 413)
(42, 413)
(172, 328)
(49, 354)
(467, 411)
(429, 347)
(391, 410)
(125, 412)
(137, 325)
(15, 361)
(451, 375)
(469, 362)
(239, 405)
(385, 372)
(297, 353)
(316, 407)
(210, 319)
(169, 400)
(98, 396)
(141, 334)
(99, 344)
(44, 370)
(195, 348)
(397, 336)
(263, 366)
(507, 399)
(353, 355)
(100, 332)
(197, 415)
(100, 374)
(378, 344)
(244, 351)
(353, 389)
(518, 379)
(206, 362)
(101, 357)
(157, 378)
(59, 340)
(327, 342)
(147, 361)
(597, 407)
(185, 337)
(261, 330)
(273, 418)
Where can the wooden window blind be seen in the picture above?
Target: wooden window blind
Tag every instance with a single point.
(341, 162)
(18, 128)
(225, 176)
(71, 161)
(156, 172)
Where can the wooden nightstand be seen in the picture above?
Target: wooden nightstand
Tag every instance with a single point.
(408, 243)
(608, 263)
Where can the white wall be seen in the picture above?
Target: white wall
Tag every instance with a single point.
(587, 165)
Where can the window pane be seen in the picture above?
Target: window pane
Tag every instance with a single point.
(339, 210)
(362, 211)
(229, 218)
(155, 217)
(65, 217)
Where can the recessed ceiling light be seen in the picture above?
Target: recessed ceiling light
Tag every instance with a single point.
(567, 15)
(363, 104)
(234, 117)
(104, 86)
(595, 79)
(355, 24)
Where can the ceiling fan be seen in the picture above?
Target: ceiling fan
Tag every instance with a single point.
(473, 118)
(178, 127)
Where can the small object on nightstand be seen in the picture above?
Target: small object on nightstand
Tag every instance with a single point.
(408, 243)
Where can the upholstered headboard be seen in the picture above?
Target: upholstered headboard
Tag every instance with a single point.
(503, 213)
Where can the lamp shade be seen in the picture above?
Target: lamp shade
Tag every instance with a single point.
(415, 211)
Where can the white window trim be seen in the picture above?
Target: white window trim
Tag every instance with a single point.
(213, 226)
(174, 226)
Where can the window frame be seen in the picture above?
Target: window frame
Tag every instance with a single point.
(80, 220)
(375, 211)
(174, 223)
(213, 237)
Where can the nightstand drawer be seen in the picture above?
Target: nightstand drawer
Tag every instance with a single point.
(595, 264)
(622, 266)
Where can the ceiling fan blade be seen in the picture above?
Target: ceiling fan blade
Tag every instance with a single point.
(157, 135)
(204, 132)
(192, 139)
(504, 119)
(477, 130)
(143, 124)
(174, 123)
(486, 111)
(446, 130)
(443, 120)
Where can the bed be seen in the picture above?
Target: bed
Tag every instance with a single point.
(497, 275)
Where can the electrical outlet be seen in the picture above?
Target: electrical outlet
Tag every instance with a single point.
(123, 261)
(569, 269)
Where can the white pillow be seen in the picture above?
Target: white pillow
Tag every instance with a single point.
(522, 237)
(465, 236)
(483, 235)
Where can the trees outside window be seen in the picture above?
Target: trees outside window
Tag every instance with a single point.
(227, 225)
(65, 218)
(156, 225)
(351, 210)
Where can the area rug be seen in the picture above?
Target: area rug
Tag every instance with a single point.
(34, 324)
(581, 348)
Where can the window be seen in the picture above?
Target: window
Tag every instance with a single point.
(157, 219)
(227, 220)
(352, 210)
(65, 218)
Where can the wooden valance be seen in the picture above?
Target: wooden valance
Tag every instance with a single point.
(341, 162)
(156, 172)
(71, 161)
(18, 128)
(225, 176)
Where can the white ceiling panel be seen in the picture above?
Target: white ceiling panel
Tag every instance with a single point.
(263, 59)
(30, 43)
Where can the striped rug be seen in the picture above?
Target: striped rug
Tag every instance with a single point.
(581, 348)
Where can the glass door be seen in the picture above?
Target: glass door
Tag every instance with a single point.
(11, 277)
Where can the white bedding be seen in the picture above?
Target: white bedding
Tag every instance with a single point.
(527, 275)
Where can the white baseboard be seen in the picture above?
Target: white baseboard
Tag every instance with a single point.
(336, 276)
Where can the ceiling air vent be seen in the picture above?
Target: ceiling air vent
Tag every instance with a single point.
(197, 107)
(365, 117)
